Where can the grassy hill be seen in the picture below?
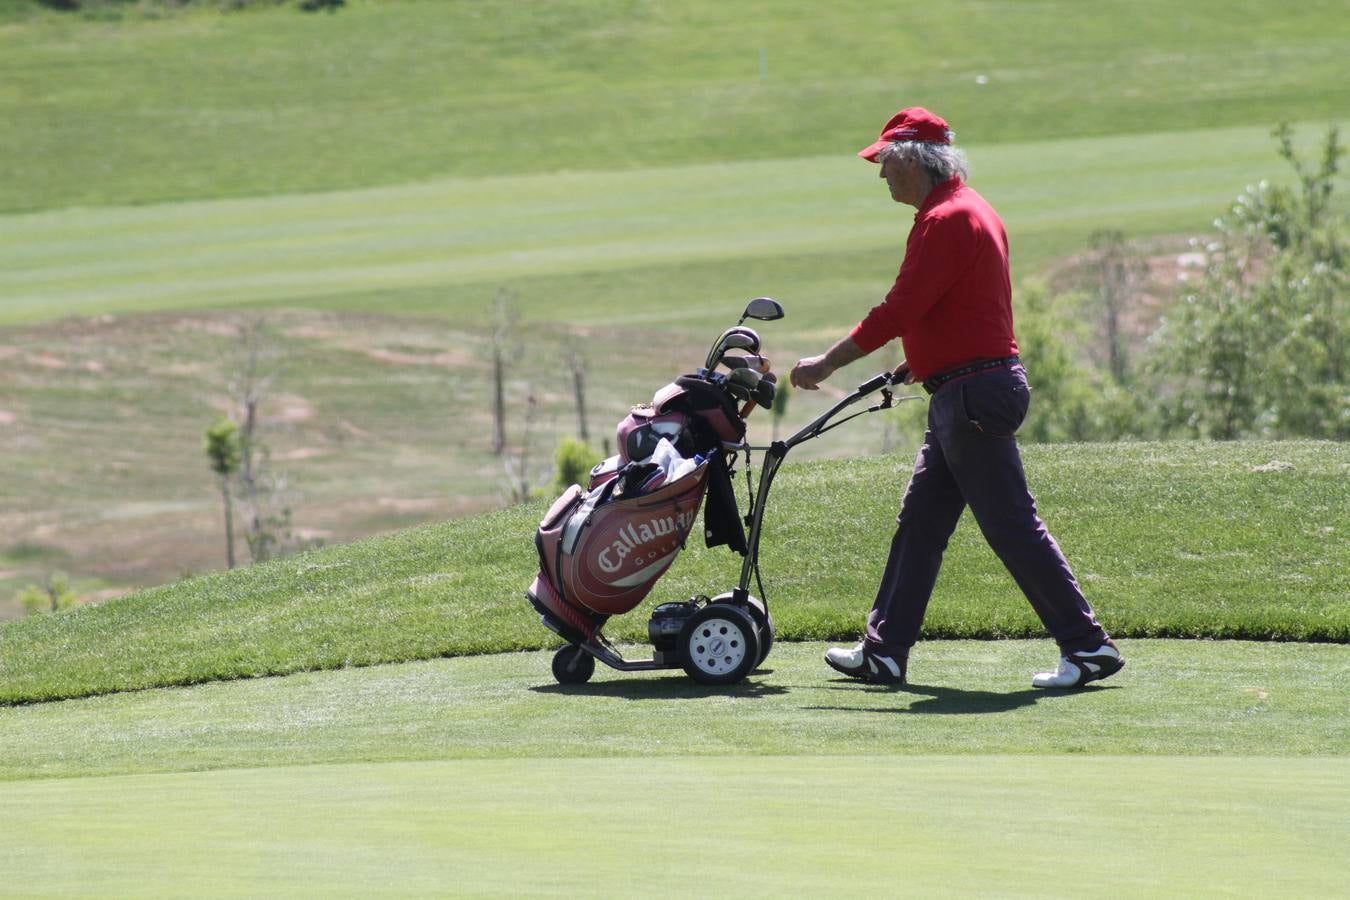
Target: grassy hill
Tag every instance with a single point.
(1169, 540)
(626, 173)
(196, 104)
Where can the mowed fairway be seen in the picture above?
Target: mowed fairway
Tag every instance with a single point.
(385, 248)
(489, 778)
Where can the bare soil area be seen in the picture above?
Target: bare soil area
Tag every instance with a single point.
(374, 423)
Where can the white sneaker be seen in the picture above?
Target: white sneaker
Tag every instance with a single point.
(1082, 666)
(859, 662)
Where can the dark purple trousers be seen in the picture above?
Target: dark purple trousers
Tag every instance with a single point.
(969, 458)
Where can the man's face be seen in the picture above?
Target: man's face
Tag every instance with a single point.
(903, 178)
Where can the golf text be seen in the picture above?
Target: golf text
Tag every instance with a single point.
(632, 537)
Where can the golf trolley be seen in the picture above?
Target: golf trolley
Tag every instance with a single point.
(602, 549)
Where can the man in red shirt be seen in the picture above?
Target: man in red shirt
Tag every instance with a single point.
(951, 307)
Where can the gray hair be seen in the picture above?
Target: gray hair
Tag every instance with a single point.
(940, 161)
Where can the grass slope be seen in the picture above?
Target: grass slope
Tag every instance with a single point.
(205, 105)
(1169, 540)
(730, 827)
(624, 171)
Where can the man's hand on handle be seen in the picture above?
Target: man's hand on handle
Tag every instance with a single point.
(808, 373)
(901, 374)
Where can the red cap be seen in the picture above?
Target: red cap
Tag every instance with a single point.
(913, 124)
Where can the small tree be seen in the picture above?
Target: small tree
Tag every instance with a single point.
(262, 493)
(1061, 386)
(53, 595)
(1259, 347)
(504, 323)
(222, 450)
(1119, 275)
(576, 363)
(573, 461)
(518, 483)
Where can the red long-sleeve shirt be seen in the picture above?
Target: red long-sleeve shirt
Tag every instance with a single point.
(952, 301)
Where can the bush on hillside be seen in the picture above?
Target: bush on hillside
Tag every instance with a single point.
(1259, 348)
(52, 596)
(574, 461)
(1070, 400)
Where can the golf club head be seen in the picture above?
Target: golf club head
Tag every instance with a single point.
(734, 338)
(745, 377)
(766, 309)
(765, 392)
(737, 390)
(760, 364)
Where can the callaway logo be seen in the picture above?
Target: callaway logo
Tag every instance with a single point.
(633, 537)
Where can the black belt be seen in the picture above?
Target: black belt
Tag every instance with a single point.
(932, 384)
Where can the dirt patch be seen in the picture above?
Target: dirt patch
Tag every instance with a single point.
(450, 359)
(1168, 263)
(288, 409)
(380, 422)
(104, 595)
(399, 504)
(220, 327)
(354, 430)
(395, 341)
(301, 453)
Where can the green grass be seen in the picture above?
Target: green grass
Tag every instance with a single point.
(669, 827)
(1174, 698)
(1170, 540)
(199, 104)
(619, 169)
(1216, 767)
(679, 244)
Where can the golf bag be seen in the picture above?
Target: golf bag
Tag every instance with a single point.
(602, 549)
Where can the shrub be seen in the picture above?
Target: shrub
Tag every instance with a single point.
(1259, 348)
(54, 595)
(574, 461)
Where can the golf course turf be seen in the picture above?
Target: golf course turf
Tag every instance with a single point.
(1203, 768)
(386, 188)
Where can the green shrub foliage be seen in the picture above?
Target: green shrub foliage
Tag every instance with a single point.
(54, 595)
(574, 461)
(1258, 348)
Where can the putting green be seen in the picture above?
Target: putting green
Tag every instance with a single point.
(1234, 699)
(1006, 825)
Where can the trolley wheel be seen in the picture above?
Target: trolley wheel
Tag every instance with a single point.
(572, 665)
(763, 622)
(719, 644)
